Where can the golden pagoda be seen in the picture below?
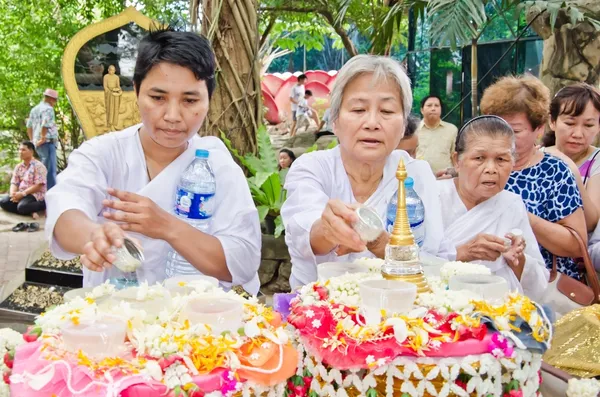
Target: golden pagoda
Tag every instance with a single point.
(402, 253)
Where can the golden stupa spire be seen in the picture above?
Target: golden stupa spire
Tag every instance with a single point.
(401, 234)
(401, 253)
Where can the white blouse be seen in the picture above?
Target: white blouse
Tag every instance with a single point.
(117, 160)
(317, 177)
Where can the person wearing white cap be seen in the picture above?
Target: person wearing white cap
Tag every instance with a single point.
(42, 131)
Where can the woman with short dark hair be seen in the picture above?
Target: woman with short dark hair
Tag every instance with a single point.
(125, 182)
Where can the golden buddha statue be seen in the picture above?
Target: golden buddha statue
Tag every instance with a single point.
(112, 98)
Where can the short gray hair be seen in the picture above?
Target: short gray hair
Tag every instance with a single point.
(488, 125)
(382, 68)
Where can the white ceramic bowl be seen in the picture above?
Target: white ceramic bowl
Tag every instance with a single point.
(151, 305)
(431, 264)
(183, 285)
(221, 314)
(78, 292)
(393, 296)
(103, 338)
(488, 287)
(327, 270)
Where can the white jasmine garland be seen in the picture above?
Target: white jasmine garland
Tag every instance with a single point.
(461, 268)
(583, 388)
(104, 289)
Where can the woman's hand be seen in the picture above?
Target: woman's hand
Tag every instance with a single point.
(334, 230)
(17, 196)
(485, 247)
(138, 214)
(376, 247)
(97, 253)
(515, 255)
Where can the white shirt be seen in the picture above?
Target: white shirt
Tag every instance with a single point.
(317, 177)
(328, 126)
(497, 216)
(303, 108)
(296, 94)
(117, 160)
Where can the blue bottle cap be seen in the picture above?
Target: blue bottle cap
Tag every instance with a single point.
(409, 182)
(201, 153)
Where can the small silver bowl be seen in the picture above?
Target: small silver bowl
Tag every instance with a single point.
(369, 225)
(129, 257)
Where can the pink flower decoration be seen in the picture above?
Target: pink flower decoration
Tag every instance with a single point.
(501, 347)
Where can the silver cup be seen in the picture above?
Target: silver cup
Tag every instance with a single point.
(129, 256)
(369, 225)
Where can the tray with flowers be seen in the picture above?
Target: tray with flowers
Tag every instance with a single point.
(449, 342)
(152, 341)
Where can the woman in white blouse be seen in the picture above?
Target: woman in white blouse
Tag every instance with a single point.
(370, 101)
(125, 181)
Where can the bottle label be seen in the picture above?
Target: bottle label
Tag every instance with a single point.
(194, 205)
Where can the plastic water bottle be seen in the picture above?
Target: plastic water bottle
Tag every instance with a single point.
(194, 203)
(414, 208)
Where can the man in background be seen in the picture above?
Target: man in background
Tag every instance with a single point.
(42, 131)
(296, 95)
(436, 137)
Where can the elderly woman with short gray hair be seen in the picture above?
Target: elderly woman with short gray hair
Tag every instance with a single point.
(370, 101)
(481, 218)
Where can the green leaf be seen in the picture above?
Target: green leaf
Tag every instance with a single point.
(263, 211)
(371, 392)
(265, 150)
(272, 189)
(332, 144)
(279, 227)
(312, 148)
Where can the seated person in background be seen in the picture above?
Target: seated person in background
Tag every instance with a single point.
(478, 214)
(325, 127)
(410, 141)
(124, 183)
(304, 112)
(286, 159)
(28, 185)
(545, 183)
(370, 101)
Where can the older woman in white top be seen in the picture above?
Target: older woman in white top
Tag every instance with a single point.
(370, 101)
(479, 215)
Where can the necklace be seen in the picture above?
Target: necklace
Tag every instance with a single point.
(531, 158)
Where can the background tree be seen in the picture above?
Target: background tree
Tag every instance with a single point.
(236, 105)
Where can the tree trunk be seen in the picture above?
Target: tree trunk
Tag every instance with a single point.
(236, 105)
(474, 78)
(571, 52)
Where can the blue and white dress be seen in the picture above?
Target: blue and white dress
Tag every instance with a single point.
(549, 190)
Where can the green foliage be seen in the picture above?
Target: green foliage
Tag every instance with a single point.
(572, 9)
(315, 147)
(457, 22)
(34, 36)
(265, 180)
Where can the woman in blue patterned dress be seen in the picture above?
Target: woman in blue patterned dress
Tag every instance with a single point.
(546, 184)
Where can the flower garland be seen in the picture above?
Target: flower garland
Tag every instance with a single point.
(166, 348)
(9, 340)
(442, 324)
(583, 387)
